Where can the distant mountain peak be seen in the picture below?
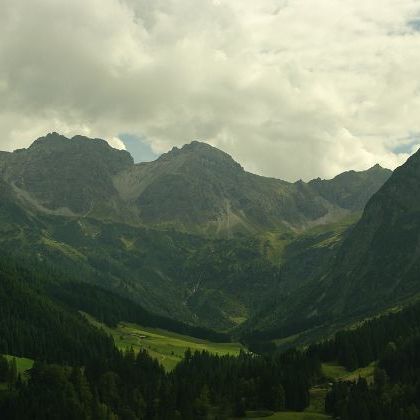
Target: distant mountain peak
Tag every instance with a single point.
(200, 151)
(55, 139)
(201, 146)
(352, 189)
(378, 167)
(196, 187)
(196, 146)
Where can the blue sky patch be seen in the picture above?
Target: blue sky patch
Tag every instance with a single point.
(406, 146)
(138, 148)
(415, 24)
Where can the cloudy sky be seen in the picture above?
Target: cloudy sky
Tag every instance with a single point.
(291, 89)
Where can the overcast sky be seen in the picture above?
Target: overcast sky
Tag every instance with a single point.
(291, 89)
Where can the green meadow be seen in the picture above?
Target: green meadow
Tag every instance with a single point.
(165, 346)
(337, 372)
(22, 363)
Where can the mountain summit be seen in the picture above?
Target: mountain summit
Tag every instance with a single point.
(66, 176)
(200, 188)
(195, 188)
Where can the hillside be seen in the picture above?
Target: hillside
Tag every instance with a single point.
(35, 326)
(375, 265)
(379, 261)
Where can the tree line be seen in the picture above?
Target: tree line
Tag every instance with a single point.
(394, 394)
(129, 386)
(109, 308)
(79, 373)
(358, 347)
(393, 342)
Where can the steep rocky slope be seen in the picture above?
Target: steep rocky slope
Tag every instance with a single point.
(197, 188)
(376, 264)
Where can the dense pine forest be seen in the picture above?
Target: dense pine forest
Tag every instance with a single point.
(392, 342)
(129, 386)
(80, 374)
(34, 326)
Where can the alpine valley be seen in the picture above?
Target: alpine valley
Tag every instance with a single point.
(191, 235)
(280, 283)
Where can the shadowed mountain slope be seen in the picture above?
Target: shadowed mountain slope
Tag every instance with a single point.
(376, 265)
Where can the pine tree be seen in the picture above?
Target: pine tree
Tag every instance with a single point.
(13, 372)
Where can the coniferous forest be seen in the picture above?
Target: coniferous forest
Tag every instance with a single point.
(393, 342)
(79, 373)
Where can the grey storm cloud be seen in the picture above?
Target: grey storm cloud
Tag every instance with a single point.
(292, 89)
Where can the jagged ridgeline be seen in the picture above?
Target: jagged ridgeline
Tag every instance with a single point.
(197, 188)
(191, 236)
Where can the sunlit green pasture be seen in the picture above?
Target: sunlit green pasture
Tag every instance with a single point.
(167, 347)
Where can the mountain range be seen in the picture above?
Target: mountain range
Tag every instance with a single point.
(195, 237)
(197, 188)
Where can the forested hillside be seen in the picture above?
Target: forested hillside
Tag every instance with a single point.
(375, 265)
(392, 342)
(104, 383)
(78, 370)
(34, 326)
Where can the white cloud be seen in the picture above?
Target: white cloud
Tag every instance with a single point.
(293, 89)
(117, 143)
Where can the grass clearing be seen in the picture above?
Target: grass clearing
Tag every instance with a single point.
(23, 364)
(337, 372)
(366, 372)
(274, 243)
(165, 346)
(334, 370)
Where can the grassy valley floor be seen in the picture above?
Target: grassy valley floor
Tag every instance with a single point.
(165, 346)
